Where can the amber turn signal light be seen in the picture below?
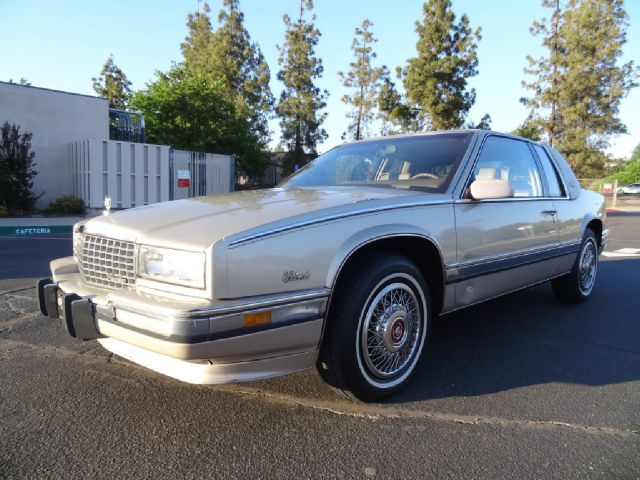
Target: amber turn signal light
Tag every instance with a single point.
(257, 319)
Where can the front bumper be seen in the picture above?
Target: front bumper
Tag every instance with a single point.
(190, 342)
(603, 240)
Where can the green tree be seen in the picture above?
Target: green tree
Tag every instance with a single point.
(635, 155)
(528, 130)
(483, 124)
(301, 100)
(435, 80)
(396, 114)
(113, 85)
(229, 53)
(629, 174)
(363, 80)
(578, 85)
(17, 170)
(191, 111)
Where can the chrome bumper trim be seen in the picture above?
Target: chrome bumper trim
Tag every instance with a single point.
(226, 307)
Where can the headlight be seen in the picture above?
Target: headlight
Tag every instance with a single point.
(172, 266)
(78, 239)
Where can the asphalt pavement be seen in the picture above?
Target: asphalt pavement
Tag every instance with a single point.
(520, 387)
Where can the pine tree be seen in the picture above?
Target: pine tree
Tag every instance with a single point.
(396, 114)
(483, 124)
(364, 81)
(528, 129)
(113, 85)
(577, 87)
(229, 53)
(301, 100)
(436, 79)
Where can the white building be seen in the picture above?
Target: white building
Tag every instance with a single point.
(56, 119)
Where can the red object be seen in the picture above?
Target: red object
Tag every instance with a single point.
(184, 182)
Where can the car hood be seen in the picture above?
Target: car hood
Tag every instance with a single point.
(197, 223)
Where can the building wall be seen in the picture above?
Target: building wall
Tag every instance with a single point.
(56, 119)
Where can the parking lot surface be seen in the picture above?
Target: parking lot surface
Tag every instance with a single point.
(520, 387)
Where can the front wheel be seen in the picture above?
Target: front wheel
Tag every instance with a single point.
(577, 285)
(377, 327)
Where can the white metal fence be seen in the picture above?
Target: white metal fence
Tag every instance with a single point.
(132, 174)
(208, 173)
(135, 174)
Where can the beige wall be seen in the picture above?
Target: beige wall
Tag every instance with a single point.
(56, 119)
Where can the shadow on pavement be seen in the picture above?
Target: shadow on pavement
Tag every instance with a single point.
(529, 338)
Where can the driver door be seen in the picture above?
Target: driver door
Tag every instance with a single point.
(504, 244)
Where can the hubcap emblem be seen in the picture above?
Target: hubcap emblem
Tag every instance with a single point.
(397, 331)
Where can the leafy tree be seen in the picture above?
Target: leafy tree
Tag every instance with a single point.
(301, 100)
(629, 174)
(191, 111)
(436, 79)
(363, 80)
(113, 85)
(528, 130)
(17, 170)
(635, 155)
(229, 53)
(578, 85)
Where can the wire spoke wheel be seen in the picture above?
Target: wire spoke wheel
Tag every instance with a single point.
(588, 267)
(391, 331)
(577, 285)
(377, 327)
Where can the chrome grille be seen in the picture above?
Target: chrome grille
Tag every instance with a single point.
(107, 262)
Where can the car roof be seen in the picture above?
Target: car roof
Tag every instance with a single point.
(477, 131)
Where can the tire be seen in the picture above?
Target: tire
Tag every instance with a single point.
(378, 324)
(577, 285)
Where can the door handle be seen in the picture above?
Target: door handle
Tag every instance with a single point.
(549, 212)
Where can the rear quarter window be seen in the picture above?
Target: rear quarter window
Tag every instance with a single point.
(550, 172)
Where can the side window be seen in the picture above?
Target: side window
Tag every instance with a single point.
(507, 159)
(555, 188)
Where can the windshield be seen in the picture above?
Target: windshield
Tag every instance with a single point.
(426, 162)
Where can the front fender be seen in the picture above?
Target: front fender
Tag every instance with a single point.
(367, 236)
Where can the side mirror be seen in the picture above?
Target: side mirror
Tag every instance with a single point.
(484, 189)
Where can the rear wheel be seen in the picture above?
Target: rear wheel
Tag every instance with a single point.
(577, 285)
(377, 327)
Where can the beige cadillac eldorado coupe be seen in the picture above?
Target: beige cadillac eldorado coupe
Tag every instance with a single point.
(344, 266)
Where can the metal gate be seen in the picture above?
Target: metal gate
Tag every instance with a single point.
(194, 174)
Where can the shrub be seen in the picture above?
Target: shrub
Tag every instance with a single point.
(16, 170)
(66, 205)
(630, 174)
(4, 212)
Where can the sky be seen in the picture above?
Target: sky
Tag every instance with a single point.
(62, 45)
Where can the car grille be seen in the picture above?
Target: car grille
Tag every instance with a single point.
(107, 262)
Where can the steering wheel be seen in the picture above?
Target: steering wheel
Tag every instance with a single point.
(424, 175)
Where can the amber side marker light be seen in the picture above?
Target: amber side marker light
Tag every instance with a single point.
(257, 319)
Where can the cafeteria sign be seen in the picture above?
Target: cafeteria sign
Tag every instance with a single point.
(39, 230)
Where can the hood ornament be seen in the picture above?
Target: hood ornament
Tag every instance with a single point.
(107, 205)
